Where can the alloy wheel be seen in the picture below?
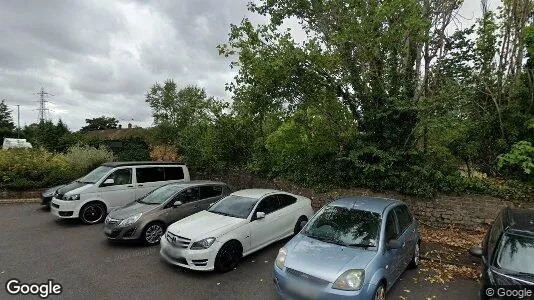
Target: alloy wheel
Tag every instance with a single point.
(93, 213)
(153, 233)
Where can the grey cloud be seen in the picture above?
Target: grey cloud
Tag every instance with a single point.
(99, 57)
(38, 30)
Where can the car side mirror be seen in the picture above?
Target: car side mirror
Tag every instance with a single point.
(260, 215)
(476, 251)
(177, 203)
(394, 244)
(109, 181)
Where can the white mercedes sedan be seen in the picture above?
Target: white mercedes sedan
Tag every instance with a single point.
(233, 227)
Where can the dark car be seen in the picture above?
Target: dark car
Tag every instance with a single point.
(508, 249)
(147, 218)
(48, 194)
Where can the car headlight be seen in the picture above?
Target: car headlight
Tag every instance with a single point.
(351, 280)
(203, 244)
(280, 260)
(130, 220)
(72, 197)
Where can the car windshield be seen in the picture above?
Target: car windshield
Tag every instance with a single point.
(234, 206)
(160, 195)
(344, 226)
(516, 253)
(95, 175)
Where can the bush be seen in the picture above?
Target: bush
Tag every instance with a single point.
(32, 168)
(519, 162)
(22, 169)
(82, 159)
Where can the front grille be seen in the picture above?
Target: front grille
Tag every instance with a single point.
(178, 241)
(114, 234)
(200, 262)
(66, 213)
(306, 277)
(55, 205)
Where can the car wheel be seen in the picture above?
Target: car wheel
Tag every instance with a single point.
(153, 233)
(93, 213)
(415, 258)
(380, 293)
(298, 226)
(228, 257)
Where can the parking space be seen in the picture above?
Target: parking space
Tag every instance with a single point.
(35, 247)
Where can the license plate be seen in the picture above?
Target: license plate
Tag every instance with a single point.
(304, 290)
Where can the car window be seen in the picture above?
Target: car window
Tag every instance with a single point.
(174, 173)
(159, 195)
(210, 191)
(286, 200)
(95, 175)
(516, 253)
(188, 195)
(494, 235)
(150, 174)
(120, 177)
(345, 226)
(404, 217)
(268, 205)
(391, 227)
(234, 206)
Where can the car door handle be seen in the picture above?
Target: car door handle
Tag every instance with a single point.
(130, 186)
(139, 185)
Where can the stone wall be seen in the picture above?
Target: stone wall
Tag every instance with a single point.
(467, 212)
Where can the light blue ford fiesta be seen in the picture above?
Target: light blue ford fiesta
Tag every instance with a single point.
(353, 248)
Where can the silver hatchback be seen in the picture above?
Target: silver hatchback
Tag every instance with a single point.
(147, 218)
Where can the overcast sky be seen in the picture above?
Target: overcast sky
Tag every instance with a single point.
(98, 57)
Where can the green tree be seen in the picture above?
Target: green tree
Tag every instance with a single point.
(6, 121)
(100, 123)
(180, 108)
(52, 137)
(365, 54)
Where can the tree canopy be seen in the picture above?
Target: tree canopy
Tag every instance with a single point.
(100, 123)
(381, 94)
(6, 121)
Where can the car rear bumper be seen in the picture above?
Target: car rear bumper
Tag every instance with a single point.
(286, 287)
(199, 260)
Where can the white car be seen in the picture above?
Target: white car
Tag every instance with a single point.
(235, 226)
(112, 185)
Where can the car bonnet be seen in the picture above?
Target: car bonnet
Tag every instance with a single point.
(325, 260)
(205, 224)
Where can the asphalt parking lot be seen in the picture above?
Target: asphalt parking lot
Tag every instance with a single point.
(35, 247)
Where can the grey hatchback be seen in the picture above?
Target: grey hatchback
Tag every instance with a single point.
(147, 218)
